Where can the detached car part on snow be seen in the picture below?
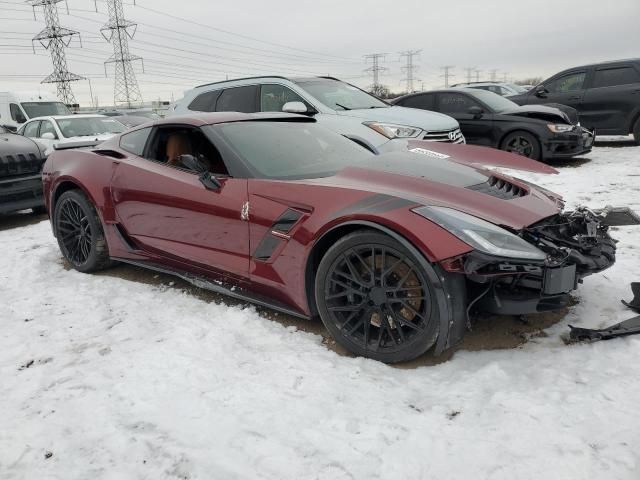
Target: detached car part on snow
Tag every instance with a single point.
(393, 251)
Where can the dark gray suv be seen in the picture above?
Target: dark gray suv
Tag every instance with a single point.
(606, 95)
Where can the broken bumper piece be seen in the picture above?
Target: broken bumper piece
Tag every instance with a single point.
(622, 329)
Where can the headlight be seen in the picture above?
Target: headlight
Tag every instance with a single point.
(560, 127)
(390, 130)
(481, 235)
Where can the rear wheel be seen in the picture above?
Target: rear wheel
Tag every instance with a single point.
(375, 299)
(636, 132)
(79, 232)
(522, 143)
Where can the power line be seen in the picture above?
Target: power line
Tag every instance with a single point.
(118, 31)
(55, 38)
(409, 68)
(447, 74)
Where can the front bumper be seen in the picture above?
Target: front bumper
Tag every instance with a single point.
(570, 144)
(20, 193)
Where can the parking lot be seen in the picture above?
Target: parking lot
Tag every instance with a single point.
(130, 374)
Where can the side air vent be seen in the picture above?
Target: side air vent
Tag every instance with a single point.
(109, 153)
(499, 188)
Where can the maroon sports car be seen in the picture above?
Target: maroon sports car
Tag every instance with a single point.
(393, 251)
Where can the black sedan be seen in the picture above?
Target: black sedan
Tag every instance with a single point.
(535, 131)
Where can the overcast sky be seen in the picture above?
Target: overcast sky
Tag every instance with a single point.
(303, 37)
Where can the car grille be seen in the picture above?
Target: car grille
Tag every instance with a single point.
(447, 136)
(499, 188)
(19, 164)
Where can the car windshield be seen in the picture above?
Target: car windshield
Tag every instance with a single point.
(89, 126)
(292, 150)
(494, 101)
(340, 95)
(45, 109)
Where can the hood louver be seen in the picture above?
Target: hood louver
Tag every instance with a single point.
(499, 188)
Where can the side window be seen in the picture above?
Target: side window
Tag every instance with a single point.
(567, 83)
(16, 113)
(615, 76)
(424, 101)
(205, 102)
(135, 141)
(31, 129)
(238, 99)
(168, 144)
(273, 97)
(455, 103)
(47, 127)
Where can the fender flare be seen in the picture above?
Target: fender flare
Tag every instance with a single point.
(441, 281)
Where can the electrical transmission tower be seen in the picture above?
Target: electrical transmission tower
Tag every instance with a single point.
(493, 74)
(55, 39)
(477, 75)
(118, 31)
(447, 74)
(469, 71)
(376, 88)
(409, 68)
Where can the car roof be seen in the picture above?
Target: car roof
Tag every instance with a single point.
(65, 117)
(480, 83)
(200, 119)
(608, 62)
(268, 77)
(472, 91)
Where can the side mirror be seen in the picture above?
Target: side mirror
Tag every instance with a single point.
(48, 136)
(192, 163)
(11, 128)
(541, 92)
(207, 179)
(475, 111)
(294, 107)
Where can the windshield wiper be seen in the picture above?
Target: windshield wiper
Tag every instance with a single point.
(342, 106)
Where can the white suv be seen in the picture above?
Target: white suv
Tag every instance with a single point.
(337, 105)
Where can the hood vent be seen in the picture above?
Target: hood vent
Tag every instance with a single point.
(499, 188)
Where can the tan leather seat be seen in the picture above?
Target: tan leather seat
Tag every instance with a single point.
(178, 144)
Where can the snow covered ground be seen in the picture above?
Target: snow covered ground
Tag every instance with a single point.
(102, 377)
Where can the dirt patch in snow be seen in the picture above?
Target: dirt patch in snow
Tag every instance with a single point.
(488, 333)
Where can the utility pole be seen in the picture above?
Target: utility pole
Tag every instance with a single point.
(55, 39)
(447, 74)
(469, 71)
(493, 73)
(477, 75)
(409, 68)
(118, 31)
(376, 88)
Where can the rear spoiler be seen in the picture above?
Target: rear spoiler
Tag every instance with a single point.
(83, 144)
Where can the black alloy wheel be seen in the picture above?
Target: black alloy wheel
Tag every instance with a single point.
(522, 143)
(374, 298)
(79, 232)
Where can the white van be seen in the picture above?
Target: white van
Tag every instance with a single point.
(18, 107)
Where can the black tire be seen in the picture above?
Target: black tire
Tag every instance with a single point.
(636, 132)
(522, 143)
(79, 232)
(39, 210)
(375, 299)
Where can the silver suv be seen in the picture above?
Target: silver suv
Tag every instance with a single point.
(337, 105)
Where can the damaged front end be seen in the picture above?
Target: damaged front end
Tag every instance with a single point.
(575, 244)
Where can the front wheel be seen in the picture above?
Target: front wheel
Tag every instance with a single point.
(522, 143)
(375, 299)
(79, 232)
